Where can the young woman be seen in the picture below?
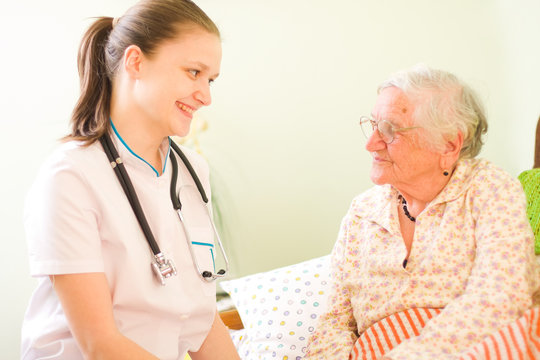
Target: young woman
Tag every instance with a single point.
(104, 291)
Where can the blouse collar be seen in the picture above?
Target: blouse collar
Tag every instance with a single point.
(127, 153)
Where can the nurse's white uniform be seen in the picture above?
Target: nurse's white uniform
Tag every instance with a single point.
(78, 220)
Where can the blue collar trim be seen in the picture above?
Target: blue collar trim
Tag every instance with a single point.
(137, 156)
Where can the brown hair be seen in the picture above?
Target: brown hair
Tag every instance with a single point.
(147, 25)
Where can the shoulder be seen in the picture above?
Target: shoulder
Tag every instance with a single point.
(372, 201)
(481, 172)
(486, 167)
(73, 156)
(482, 181)
(74, 153)
(70, 165)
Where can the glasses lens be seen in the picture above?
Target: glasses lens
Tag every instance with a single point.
(386, 131)
(367, 128)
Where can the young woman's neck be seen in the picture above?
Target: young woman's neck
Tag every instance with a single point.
(137, 133)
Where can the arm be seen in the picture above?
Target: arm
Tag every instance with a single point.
(336, 331)
(86, 301)
(217, 345)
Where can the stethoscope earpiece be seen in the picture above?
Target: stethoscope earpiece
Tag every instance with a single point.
(208, 274)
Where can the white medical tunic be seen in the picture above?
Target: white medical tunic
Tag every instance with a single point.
(78, 220)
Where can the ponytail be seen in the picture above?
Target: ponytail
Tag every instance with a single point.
(90, 117)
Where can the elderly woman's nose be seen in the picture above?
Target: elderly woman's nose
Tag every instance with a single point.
(375, 142)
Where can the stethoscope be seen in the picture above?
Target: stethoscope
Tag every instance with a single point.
(161, 266)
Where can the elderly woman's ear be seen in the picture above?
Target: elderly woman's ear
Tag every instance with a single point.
(450, 154)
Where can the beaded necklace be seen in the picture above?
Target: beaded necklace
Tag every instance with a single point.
(405, 210)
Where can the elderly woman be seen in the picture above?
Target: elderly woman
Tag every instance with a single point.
(440, 230)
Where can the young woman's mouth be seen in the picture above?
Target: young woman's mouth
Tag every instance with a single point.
(185, 108)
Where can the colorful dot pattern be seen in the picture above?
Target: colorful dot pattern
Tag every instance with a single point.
(279, 309)
(472, 255)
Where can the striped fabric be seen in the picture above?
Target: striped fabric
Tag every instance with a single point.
(384, 335)
(518, 340)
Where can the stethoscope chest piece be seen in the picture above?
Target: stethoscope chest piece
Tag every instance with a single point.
(163, 268)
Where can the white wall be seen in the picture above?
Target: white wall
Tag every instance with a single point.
(283, 141)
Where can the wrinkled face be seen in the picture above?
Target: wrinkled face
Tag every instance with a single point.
(407, 161)
(175, 81)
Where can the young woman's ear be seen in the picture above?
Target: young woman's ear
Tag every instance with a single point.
(133, 57)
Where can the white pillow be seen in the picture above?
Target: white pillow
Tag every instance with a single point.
(279, 308)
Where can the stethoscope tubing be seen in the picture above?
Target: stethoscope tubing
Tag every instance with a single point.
(127, 185)
(205, 275)
(174, 197)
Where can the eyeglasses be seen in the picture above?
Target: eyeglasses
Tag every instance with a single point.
(387, 131)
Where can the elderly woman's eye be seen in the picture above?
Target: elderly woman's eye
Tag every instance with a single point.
(386, 128)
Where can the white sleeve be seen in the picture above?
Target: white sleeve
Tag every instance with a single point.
(61, 222)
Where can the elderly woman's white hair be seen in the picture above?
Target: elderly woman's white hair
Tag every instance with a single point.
(444, 107)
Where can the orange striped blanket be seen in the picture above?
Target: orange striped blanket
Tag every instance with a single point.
(517, 340)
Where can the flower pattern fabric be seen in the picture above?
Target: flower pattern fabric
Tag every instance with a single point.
(472, 256)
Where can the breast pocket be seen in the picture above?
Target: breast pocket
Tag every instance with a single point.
(204, 256)
(202, 243)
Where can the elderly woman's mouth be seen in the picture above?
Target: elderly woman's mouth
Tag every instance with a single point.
(378, 158)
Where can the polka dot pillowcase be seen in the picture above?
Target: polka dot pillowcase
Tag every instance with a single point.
(279, 308)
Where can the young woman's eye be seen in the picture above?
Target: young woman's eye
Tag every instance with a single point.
(194, 72)
(210, 81)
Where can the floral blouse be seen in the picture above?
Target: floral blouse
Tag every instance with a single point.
(472, 254)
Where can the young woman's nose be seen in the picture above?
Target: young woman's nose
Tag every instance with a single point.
(203, 95)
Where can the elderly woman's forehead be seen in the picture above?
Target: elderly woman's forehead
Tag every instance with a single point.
(393, 100)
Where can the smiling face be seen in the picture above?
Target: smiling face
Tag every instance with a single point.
(174, 82)
(407, 163)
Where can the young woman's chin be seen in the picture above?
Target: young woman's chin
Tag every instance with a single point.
(181, 128)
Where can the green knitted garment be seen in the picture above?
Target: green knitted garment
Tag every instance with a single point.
(530, 180)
